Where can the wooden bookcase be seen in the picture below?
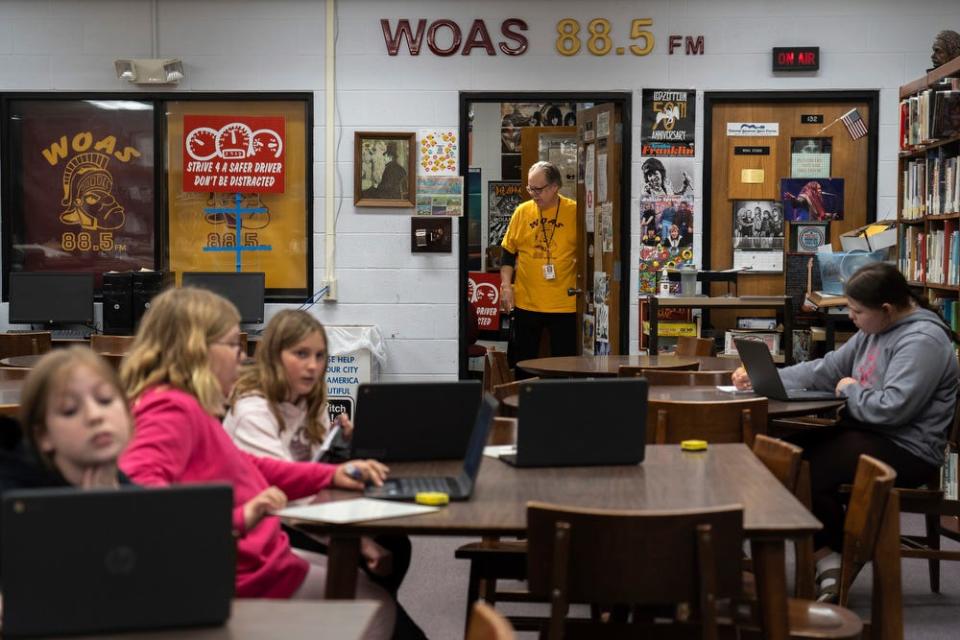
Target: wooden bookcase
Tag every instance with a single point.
(917, 262)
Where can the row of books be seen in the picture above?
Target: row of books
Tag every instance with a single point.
(930, 115)
(913, 254)
(931, 185)
(943, 251)
(948, 477)
(949, 309)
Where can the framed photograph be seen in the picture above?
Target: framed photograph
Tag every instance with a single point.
(812, 199)
(808, 237)
(384, 169)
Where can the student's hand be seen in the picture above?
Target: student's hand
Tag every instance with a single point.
(263, 504)
(100, 477)
(378, 559)
(741, 380)
(346, 427)
(845, 382)
(354, 474)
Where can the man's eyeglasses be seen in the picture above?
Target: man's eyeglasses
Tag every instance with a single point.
(537, 190)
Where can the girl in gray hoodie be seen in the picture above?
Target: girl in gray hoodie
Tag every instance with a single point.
(899, 375)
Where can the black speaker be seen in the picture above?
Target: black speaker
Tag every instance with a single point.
(146, 284)
(118, 303)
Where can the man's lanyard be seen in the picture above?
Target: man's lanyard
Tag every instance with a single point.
(543, 229)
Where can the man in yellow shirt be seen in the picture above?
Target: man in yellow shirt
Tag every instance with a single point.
(540, 249)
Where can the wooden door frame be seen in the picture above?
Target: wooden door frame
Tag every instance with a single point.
(716, 98)
(622, 98)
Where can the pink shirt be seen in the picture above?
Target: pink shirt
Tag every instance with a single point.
(176, 441)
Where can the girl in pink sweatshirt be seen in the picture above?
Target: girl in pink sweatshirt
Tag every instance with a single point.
(181, 366)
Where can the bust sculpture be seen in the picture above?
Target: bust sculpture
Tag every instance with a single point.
(946, 47)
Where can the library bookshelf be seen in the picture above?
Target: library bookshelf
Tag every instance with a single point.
(928, 210)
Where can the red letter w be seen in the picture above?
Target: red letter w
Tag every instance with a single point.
(403, 31)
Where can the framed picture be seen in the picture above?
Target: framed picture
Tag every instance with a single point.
(808, 237)
(384, 169)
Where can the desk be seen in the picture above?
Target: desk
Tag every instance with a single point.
(609, 366)
(668, 479)
(269, 619)
(21, 362)
(744, 302)
(10, 397)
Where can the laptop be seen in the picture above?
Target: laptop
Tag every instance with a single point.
(116, 560)
(400, 422)
(569, 423)
(458, 488)
(765, 378)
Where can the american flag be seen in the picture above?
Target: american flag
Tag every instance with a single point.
(854, 123)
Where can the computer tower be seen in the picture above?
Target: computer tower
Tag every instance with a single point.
(146, 284)
(118, 303)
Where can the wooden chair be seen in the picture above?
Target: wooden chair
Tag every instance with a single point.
(930, 501)
(115, 359)
(629, 371)
(486, 624)
(670, 422)
(504, 431)
(691, 346)
(785, 462)
(643, 559)
(871, 532)
(500, 372)
(110, 344)
(24, 344)
(685, 378)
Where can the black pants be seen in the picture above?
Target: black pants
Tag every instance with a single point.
(833, 456)
(527, 331)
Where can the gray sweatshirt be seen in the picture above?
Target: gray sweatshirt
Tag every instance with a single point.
(907, 379)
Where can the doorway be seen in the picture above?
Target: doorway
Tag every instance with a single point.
(504, 134)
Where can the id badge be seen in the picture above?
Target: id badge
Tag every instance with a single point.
(549, 273)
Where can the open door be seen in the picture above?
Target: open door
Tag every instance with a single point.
(600, 267)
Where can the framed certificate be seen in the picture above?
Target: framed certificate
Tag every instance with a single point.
(808, 237)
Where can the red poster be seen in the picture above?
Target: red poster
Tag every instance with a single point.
(483, 292)
(230, 154)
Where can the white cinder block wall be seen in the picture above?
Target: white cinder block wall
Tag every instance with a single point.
(264, 45)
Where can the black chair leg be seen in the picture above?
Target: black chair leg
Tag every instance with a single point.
(473, 591)
(933, 542)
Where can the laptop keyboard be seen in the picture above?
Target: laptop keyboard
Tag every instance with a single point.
(70, 334)
(419, 485)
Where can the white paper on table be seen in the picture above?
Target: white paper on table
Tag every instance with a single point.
(356, 510)
(732, 389)
(497, 450)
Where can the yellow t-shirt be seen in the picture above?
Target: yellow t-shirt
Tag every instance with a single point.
(527, 237)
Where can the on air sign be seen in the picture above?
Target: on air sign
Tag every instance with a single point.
(233, 154)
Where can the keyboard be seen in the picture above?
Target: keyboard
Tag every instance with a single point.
(413, 486)
(71, 334)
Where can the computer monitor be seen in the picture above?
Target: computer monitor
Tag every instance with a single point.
(244, 290)
(51, 298)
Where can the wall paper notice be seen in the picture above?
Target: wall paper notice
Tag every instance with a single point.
(606, 226)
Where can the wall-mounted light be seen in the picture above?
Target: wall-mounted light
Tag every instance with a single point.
(150, 70)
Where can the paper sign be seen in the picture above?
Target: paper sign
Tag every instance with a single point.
(230, 154)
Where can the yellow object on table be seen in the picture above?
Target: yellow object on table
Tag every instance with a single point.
(694, 445)
(432, 498)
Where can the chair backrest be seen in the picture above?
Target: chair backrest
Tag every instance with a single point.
(243, 344)
(692, 346)
(686, 378)
(13, 373)
(781, 458)
(487, 624)
(715, 422)
(630, 371)
(871, 491)
(110, 344)
(500, 372)
(642, 558)
(115, 359)
(24, 344)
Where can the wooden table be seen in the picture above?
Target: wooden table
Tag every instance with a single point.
(269, 619)
(668, 479)
(775, 408)
(609, 366)
(10, 397)
(21, 362)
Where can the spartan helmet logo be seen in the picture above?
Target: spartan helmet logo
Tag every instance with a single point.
(87, 194)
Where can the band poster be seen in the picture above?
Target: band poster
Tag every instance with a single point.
(668, 122)
(82, 196)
